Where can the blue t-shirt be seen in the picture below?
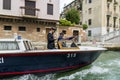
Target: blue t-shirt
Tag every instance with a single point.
(60, 38)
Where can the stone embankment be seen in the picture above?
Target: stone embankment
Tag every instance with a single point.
(109, 46)
(112, 46)
(39, 45)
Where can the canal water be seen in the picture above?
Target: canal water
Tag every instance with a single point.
(106, 67)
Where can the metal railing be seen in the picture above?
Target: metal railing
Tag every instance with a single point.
(29, 12)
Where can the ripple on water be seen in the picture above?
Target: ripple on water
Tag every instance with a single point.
(93, 71)
(33, 77)
(106, 67)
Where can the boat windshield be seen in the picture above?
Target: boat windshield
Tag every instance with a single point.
(6, 45)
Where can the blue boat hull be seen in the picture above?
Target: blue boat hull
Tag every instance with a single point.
(45, 62)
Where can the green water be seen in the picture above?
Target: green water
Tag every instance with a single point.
(106, 67)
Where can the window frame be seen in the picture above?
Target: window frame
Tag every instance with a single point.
(89, 33)
(7, 4)
(21, 28)
(90, 11)
(64, 31)
(50, 8)
(38, 29)
(7, 27)
(89, 21)
(89, 1)
(30, 7)
(7, 45)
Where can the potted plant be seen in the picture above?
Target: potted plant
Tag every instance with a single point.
(85, 26)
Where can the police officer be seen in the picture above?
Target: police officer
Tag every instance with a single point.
(51, 39)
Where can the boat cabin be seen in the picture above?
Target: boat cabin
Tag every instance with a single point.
(15, 44)
(25, 45)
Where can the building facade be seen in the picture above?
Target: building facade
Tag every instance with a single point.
(30, 19)
(101, 16)
(76, 4)
(76, 30)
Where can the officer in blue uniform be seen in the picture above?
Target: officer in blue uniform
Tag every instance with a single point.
(50, 38)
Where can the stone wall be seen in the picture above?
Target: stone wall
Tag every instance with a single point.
(39, 39)
(30, 32)
(70, 31)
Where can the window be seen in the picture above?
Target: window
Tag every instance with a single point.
(89, 22)
(38, 29)
(89, 32)
(90, 1)
(114, 8)
(76, 33)
(90, 10)
(8, 28)
(6, 45)
(7, 4)
(64, 31)
(119, 8)
(30, 7)
(50, 9)
(21, 28)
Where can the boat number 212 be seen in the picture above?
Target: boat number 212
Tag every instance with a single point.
(71, 55)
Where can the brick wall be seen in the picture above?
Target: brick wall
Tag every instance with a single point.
(31, 31)
(70, 29)
(38, 38)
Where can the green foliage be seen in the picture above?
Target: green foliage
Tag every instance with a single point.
(73, 16)
(73, 24)
(64, 22)
(85, 26)
(109, 0)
